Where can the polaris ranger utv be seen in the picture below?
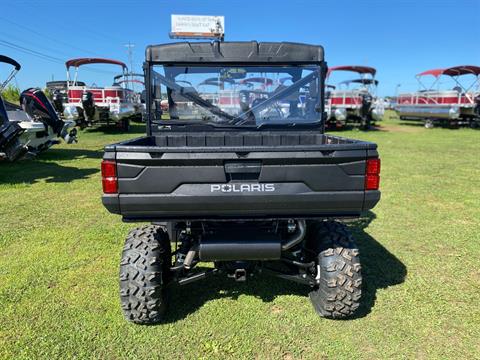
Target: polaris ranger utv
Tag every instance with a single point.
(239, 175)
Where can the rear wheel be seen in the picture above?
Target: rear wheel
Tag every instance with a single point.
(144, 274)
(338, 292)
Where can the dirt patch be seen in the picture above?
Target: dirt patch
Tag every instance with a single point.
(401, 128)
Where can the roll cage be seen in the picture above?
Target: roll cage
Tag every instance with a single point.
(233, 54)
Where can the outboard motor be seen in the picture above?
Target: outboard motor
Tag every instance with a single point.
(10, 148)
(36, 104)
(88, 105)
(367, 101)
(57, 98)
(477, 107)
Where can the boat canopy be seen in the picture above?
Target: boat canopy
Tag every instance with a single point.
(16, 68)
(360, 81)
(260, 80)
(8, 60)
(216, 82)
(453, 71)
(116, 77)
(119, 82)
(85, 61)
(354, 68)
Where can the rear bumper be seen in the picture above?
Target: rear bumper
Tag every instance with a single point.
(135, 207)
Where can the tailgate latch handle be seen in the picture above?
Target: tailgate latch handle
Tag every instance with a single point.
(243, 171)
(243, 167)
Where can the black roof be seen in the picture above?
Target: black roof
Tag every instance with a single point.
(241, 52)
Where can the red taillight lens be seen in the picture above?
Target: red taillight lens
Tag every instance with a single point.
(372, 182)
(373, 167)
(109, 185)
(109, 177)
(109, 168)
(372, 174)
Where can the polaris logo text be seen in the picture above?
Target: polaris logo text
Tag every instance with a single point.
(241, 188)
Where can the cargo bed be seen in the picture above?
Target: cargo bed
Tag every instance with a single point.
(250, 174)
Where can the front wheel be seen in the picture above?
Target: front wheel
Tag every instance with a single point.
(339, 279)
(144, 274)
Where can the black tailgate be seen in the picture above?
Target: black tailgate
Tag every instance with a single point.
(241, 181)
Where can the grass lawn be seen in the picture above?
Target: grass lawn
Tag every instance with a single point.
(420, 250)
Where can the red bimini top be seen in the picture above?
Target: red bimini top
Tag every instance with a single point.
(85, 61)
(453, 71)
(354, 68)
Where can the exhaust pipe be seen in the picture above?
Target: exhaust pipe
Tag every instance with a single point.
(297, 236)
(249, 245)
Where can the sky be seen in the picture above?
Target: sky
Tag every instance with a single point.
(398, 38)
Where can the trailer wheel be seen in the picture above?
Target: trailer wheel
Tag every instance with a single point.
(429, 124)
(144, 274)
(339, 278)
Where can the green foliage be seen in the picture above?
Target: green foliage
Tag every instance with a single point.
(47, 92)
(12, 94)
(420, 252)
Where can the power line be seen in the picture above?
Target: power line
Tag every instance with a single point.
(31, 52)
(46, 36)
(32, 44)
(47, 57)
(93, 34)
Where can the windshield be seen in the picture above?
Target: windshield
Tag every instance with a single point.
(239, 96)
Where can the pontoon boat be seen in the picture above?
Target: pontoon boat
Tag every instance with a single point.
(138, 96)
(459, 105)
(354, 101)
(92, 105)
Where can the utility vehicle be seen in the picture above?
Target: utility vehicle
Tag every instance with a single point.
(255, 187)
(435, 104)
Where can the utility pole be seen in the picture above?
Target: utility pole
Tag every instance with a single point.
(396, 89)
(130, 47)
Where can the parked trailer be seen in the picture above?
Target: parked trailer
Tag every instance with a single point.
(354, 101)
(91, 105)
(457, 106)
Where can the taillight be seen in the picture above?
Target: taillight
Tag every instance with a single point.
(109, 177)
(372, 174)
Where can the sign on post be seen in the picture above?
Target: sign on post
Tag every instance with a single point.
(197, 27)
